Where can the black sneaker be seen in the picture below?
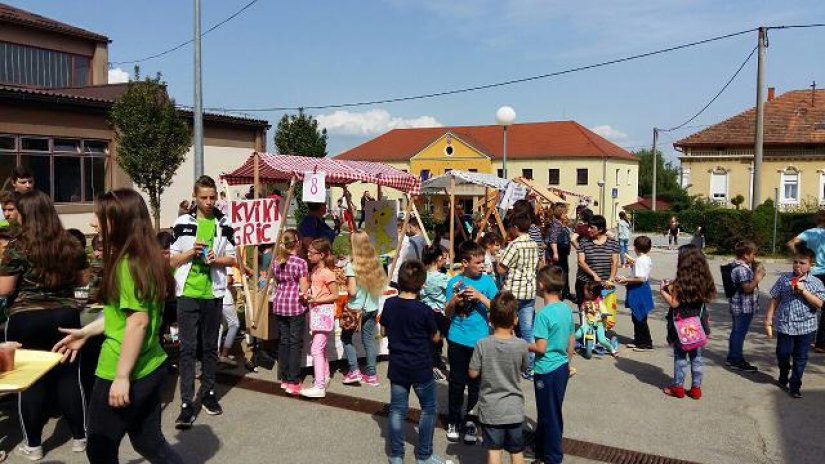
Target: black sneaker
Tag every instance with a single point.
(747, 367)
(470, 434)
(796, 394)
(209, 402)
(186, 417)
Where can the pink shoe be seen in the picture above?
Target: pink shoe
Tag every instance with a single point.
(293, 389)
(284, 385)
(352, 378)
(371, 380)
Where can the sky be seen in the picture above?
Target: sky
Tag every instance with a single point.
(323, 52)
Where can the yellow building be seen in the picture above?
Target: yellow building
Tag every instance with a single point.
(717, 162)
(557, 154)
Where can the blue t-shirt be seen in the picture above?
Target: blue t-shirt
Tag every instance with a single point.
(470, 326)
(312, 226)
(409, 326)
(555, 324)
(434, 293)
(815, 241)
(363, 299)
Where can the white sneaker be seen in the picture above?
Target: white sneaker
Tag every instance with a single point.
(452, 432)
(79, 445)
(314, 392)
(228, 361)
(32, 453)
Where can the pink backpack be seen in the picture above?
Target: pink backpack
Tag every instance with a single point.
(690, 332)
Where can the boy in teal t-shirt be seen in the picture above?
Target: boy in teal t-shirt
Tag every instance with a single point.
(554, 333)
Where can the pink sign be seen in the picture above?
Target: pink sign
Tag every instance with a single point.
(255, 222)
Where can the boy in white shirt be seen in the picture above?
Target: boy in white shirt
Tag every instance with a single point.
(639, 295)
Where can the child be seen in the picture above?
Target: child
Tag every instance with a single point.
(291, 276)
(468, 303)
(230, 320)
(499, 360)
(639, 295)
(434, 295)
(410, 329)
(743, 303)
(795, 299)
(623, 236)
(554, 348)
(366, 281)
(593, 316)
(520, 261)
(686, 297)
(492, 252)
(22, 180)
(323, 291)
(8, 202)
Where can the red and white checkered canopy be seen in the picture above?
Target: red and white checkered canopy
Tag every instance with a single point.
(282, 168)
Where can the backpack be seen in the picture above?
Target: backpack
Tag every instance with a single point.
(690, 332)
(727, 279)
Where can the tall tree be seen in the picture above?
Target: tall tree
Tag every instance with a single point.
(299, 135)
(152, 137)
(667, 175)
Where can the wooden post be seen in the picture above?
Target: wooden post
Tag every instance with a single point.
(452, 220)
(420, 222)
(498, 218)
(400, 237)
(350, 207)
(256, 178)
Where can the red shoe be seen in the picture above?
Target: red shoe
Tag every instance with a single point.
(676, 391)
(695, 392)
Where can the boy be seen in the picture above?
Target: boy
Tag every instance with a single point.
(796, 299)
(744, 303)
(22, 180)
(500, 359)
(492, 252)
(554, 345)
(639, 296)
(468, 303)
(814, 240)
(204, 247)
(8, 201)
(410, 328)
(519, 262)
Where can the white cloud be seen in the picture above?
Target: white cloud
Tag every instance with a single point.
(117, 76)
(610, 133)
(370, 122)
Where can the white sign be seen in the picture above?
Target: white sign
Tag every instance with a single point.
(381, 223)
(255, 221)
(512, 194)
(315, 187)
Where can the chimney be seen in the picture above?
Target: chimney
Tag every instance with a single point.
(771, 94)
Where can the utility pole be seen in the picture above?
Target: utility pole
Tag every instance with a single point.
(655, 166)
(760, 118)
(197, 113)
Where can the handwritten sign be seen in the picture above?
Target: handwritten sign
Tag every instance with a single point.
(255, 222)
(315, 187)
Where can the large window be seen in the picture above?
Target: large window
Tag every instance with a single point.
(581, 176)
(553, 177)
(719, 185)
(527, 174)
(68, 170)
(789, 186)
(38, 67)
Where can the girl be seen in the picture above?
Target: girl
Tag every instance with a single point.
(366, 281)
(130, 372)
(230, 320)
(323, 292)
(39, 271)
(291, 281)
(639, 295)
(687, 297)
(434, 295)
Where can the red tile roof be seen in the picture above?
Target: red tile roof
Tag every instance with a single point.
(645, 203)
(793, 118)
(538, 140)
(12, 15)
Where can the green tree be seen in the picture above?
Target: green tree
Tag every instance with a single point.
(152, 137)
(667, 175)
(298, 134)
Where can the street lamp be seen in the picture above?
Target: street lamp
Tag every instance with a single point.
(601, 184)
(505, 116)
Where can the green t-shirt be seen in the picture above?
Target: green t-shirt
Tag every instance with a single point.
(555, 324)
(4, 223)
(151, 353)
(199, 281)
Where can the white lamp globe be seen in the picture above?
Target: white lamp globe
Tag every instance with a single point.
(505, 115)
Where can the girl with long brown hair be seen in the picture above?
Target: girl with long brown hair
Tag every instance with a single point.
(130, 372)
(291, 276)
(39, 271)
(323, 292)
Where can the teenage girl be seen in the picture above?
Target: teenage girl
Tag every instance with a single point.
(323, 292)
(291, 281)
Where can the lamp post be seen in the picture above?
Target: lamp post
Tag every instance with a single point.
(601, 183)
(505, 117)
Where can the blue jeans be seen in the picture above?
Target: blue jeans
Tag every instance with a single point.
(367, 340)
(399, 402)
(792, 347)
(740, 324)
(680, 362)
(623, 243)
(550, 389)
(526, 314)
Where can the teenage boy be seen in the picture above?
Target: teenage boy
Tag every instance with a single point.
(796, 300)
(8, 202)
(554, 345)
(410, 328)
(204, 247)
(519, 262)
(468, 304)
(22, 180)
(499, 360)
(743, 303)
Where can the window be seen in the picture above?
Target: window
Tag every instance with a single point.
(447, 170)
(789, 186)
(24, 65)
(628, 177)
(553, 177)
(685, 182)
(68, 170)
(581, 176)
(449, 150)
(617, 177)
(425, 174)
(719, 185)
(822, 187)
(527, 174)
(473, 170)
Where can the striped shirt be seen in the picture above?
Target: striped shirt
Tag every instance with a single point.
(287, 277)
(794, 316)
(535, 234)
(598, 257)
(521, 257)
(741, 302)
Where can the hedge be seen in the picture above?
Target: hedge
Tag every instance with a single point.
(724, 227)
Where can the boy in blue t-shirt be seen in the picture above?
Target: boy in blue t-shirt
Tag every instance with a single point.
(553, 330)
(468, 306)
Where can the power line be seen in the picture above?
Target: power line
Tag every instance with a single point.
(183, 44)
(493, 85)
(797, 26)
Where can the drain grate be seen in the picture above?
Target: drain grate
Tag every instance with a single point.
(573, 447)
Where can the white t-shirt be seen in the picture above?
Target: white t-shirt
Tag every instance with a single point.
(642, 267)
(402, 254)
(228, 300)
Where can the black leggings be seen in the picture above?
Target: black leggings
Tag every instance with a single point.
(37, 330)
(141, 420)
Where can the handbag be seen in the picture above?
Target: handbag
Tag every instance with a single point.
(322, 318)
(690, 332)
(351, 318)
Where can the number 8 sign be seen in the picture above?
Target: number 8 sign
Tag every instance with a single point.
(315, 189)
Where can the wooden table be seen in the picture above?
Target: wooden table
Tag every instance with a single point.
(29, 367)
